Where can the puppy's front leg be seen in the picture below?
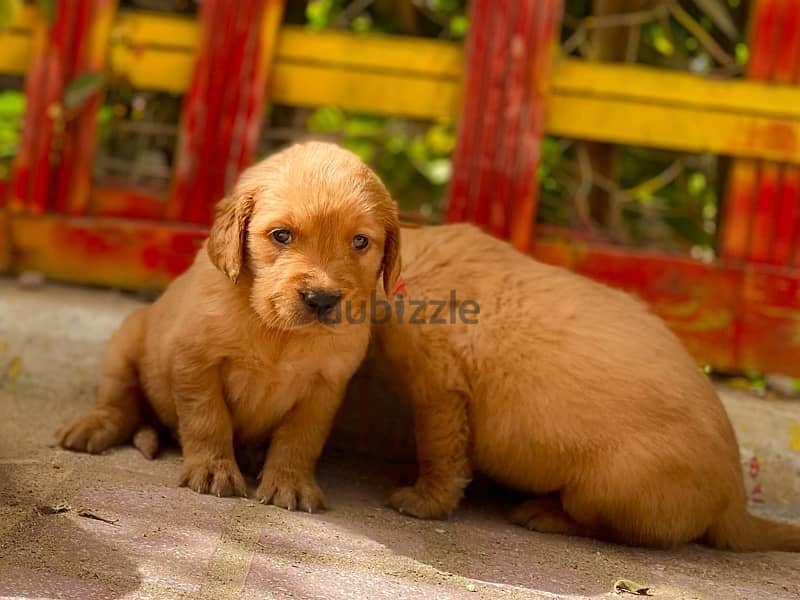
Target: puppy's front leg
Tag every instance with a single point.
(442, 433)
(288, 476)
(206, 435)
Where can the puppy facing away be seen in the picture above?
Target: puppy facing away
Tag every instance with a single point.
(568, 390)
(249, 343)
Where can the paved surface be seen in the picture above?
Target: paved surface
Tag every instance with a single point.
(160, 541)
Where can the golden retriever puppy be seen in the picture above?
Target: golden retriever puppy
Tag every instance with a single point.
(566, 389)
(251, 341)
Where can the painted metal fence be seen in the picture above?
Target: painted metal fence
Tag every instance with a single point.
(506, 89)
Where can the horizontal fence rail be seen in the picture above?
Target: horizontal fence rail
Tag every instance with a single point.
(422, 78)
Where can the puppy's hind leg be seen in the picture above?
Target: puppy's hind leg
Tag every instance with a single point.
(546, 515)
(118, 410)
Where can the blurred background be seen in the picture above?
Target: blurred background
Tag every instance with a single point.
(650, 144)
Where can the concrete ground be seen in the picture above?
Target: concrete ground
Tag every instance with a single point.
(117, 526)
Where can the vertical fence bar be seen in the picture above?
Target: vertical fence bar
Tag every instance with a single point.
(509, 53)
(252, 112)
(75, 176)
(524, 193)
(468, 141)
(787, 208)
(761, 206)
(63, 152)
(761, 209)
(43, 87)
(223, 110)
(495, 77)
(769, 240)
(56, 149)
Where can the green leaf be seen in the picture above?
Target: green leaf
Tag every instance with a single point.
(105, 114)
(321, 13)
(459, 25)
(742, 54)
(12, 105)
(395, 144)
(661, 42)
(361, 24)
(720, 16)
(697, 183)
(551, 151)
(326, 119)
(8, 11)
(441, 139)
(418, 150)
(82, 88)
(49, 9)
(363, 127)
(365, 149)
(438, 171)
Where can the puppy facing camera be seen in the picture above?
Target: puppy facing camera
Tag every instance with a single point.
(241, 348)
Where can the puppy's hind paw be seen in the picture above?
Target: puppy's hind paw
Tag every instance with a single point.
(93, 433)
(411, 501)
(218, 477)
(545, 515)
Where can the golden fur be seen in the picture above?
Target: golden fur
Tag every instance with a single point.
(229, 354)
(569, 390)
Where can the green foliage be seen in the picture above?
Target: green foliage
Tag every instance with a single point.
(659, 199)
(686, 204)
(459, 25)
(12, 111)
(412, 158)
(659, 40)
(742, 54)
(448, 15)
(320, 14)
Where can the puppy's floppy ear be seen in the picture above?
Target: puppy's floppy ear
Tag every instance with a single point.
(226, 241)
(391, 263)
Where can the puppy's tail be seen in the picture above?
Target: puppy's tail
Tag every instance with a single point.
(146, 441)
(740, 531)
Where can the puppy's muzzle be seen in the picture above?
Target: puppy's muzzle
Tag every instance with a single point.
(320, 302)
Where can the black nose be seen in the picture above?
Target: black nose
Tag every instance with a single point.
(321, 302)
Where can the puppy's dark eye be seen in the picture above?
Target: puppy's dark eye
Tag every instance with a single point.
(360, 242)
(282, 236)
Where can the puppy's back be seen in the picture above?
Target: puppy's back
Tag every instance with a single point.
(557, 353)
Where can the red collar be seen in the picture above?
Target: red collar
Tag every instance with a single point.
(399, 287)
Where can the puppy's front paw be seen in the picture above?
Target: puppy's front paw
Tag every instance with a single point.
(418, 503)
(93, 433)
(290, 490)
(220, 477)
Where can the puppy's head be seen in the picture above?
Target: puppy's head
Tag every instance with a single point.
(313, 228)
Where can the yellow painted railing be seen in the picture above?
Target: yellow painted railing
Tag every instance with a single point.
(421, 79)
